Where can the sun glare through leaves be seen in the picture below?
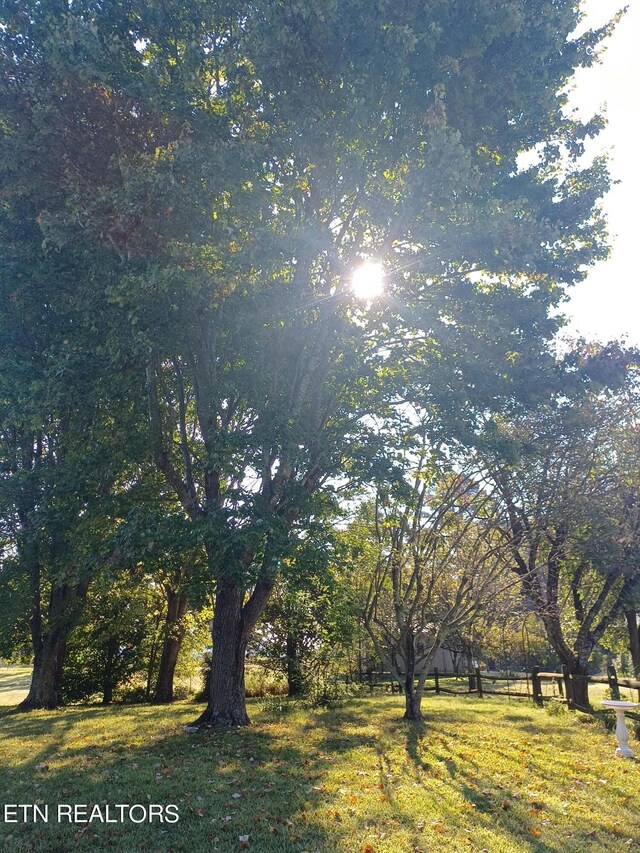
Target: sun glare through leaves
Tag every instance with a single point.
(367, 281)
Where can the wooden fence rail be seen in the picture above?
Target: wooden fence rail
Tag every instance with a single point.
(568, 695)
(526, 686)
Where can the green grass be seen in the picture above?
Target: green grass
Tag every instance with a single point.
(478, 775)
(14, 683)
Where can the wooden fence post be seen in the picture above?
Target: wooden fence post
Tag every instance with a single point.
(536, 685)
(568, 686)
(436, 679)
(614, 687)
(479, 682)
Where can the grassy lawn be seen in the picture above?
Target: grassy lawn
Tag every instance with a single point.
(483, 775)
(14, 683)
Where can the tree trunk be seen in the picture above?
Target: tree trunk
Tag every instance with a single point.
(233, 621)
(581, 691)
(227, 705)
(50, 647)
(108, 675)
(412, 697)
(294, 671)
(174, 634)
(576, 660)
(153, 654)
(45, 690)
(634, 639)
(412, 703)
(580, 684)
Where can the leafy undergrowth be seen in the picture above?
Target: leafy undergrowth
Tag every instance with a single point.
(478, 775)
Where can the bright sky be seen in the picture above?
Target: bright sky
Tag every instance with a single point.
(607, 304)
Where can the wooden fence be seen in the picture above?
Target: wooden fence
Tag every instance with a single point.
(452, 683)
(538, 686)
(565, 681)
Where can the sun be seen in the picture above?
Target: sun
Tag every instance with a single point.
(367, 280)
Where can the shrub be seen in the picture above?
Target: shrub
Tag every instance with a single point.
(555, 709)
(260, 681)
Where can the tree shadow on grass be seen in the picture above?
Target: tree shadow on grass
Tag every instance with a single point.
(34, 727)
(515, 815)
(227, 784)
(342, 715)
(273, 783)
(416, 734)
(332, 724)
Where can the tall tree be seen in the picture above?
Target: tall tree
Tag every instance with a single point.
(68, 434)
(238, 161)
(61, 455)
(440, 562)
(567, 480)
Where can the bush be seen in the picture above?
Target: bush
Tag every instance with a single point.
(260, 681)
(134, 693)
(181, 691)
(328, 690)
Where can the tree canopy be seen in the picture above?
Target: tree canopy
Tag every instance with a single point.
(566, 480)
(217, 171)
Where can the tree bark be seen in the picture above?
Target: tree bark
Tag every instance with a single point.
(45, 690)
(233, 621)
(634, 639)
(174, 635)
(412, 703)
(227, 705)
(580, 684)
(109, 676)
(412, 697)
(50, 647)
(294, 670)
